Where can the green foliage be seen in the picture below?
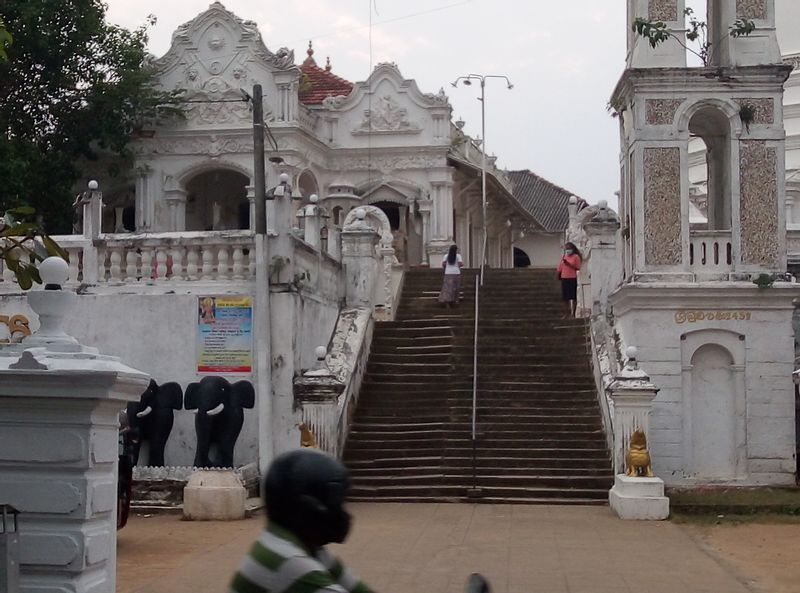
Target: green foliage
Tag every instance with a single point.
(74, 88)
(5, 40)
(23, 244)
(747, 113)
(764, 281)
(657, 32)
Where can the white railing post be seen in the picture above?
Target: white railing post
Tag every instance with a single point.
(635, 494)
(317, 393)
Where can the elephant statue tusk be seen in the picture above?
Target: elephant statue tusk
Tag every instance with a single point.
(144, 412)
(216, 410)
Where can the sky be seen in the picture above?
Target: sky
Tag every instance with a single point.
(564, 65)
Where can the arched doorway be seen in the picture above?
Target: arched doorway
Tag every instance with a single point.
(397, 220)
(713, 413)
(521, 259)
(217, 201)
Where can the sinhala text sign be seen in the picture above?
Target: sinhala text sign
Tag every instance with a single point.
(225, 334)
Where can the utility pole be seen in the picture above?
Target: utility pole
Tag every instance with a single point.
(262, 315)
(259, 175)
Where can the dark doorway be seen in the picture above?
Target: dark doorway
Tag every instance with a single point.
(521, 259)
(392, 212)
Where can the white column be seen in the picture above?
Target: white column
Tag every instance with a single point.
(176, 203)
(604, 265)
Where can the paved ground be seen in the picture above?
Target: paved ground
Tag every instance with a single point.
(432, 548)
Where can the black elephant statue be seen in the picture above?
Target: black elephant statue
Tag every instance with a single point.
(220, 415)
(151, 418)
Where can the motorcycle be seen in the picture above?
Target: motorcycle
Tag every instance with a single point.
(126, 444)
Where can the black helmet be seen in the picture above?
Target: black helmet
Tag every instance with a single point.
(305, 491)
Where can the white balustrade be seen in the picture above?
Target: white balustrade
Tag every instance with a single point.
(102, 253)
(175, 256)
(192, 261)
(222, 264)
(177, 262)
(208, 263)
(131, 261)
(711, 251)
(115, 268)
(75, 254)
(238, 263)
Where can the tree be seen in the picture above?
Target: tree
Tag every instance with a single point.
(74, 89)
(657, 32)
(5, 40)
(23, 245)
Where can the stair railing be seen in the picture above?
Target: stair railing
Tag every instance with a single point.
(475, 381)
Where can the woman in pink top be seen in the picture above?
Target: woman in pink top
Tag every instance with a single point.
(567, 272)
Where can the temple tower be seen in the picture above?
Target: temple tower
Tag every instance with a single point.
(735, 107)
(718, 347)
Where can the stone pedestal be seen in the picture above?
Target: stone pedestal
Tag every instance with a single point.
(358, 258)
(59, 407)
(214, 495)
(316, 394)
(640, 499)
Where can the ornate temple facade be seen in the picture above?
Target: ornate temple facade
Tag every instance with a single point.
(381, 142)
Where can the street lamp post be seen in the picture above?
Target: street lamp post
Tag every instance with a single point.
(467, 80)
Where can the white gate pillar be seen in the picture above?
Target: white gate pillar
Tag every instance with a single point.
(632, 394)
(59, 407)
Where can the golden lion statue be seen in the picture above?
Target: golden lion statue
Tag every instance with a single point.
(307, 437)
(637, 459)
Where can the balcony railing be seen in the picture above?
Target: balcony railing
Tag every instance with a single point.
(711, 251)
(157, 257)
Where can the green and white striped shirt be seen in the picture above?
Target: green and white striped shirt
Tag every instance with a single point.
(278, 563)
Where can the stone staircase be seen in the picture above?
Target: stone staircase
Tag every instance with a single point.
(539, 432)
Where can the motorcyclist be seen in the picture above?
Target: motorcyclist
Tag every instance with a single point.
(304, 494)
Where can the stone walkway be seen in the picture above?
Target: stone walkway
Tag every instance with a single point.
(432, 548)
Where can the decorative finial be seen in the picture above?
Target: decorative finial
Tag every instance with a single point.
(310, 50)
(328, 64)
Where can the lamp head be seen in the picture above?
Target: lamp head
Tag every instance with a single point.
(510, 86)
(54, 272)
(467, 82)
(283, 178)
(314, 198)
(321, 352)
(93, 185)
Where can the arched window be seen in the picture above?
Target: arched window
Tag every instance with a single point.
(337, 215)
(307, 184)
(710, 129)
(217, 200)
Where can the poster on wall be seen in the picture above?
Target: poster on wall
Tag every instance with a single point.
(224, 334)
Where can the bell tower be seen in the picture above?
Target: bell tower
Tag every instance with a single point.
(734, 106)
(702, 299)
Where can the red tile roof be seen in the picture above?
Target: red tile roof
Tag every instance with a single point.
(319, 83)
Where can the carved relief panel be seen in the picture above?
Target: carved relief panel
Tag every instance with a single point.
(662, 206)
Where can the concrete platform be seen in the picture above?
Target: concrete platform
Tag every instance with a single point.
(433, 548)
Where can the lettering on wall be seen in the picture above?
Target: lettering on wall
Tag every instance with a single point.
(19, 327)
(682, 317)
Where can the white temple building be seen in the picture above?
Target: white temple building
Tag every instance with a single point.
(381, 142)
